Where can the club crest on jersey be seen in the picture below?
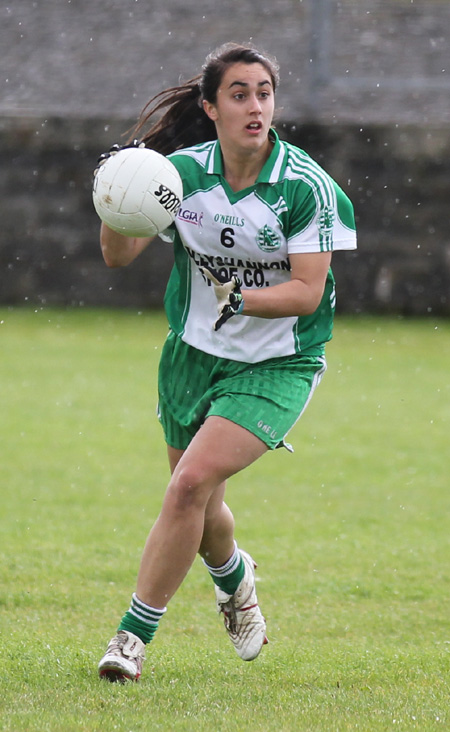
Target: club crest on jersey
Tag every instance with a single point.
(326, 220)
(267, 239)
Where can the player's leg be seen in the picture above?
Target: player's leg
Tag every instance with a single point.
(252, 404)
(219, 449)
(232, 571)
(217, 542)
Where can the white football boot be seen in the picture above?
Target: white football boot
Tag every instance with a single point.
(243, 619)
(123, 659)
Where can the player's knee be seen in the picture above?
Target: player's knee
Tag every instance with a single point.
(190, 487)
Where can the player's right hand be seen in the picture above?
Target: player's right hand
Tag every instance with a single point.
(114, 150)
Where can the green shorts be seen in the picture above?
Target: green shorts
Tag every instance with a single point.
(266, 398)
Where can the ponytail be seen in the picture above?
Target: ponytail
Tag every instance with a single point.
(184, 123)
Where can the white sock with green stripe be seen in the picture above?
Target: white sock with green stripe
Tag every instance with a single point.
(141, 619)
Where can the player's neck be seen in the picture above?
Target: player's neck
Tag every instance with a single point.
(241, 169)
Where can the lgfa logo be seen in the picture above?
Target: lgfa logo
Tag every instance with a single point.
(191, 217)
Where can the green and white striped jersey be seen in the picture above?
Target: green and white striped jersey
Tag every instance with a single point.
(293, 207)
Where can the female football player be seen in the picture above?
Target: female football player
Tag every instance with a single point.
(250, 304)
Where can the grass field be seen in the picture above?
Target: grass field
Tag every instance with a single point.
(351, 534)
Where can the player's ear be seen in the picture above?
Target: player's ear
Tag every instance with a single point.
(210, 110)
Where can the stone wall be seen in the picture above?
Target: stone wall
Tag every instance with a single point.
(396, 177)
(345, 61)
(364, 89)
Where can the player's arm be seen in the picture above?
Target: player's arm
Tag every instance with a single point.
(119, 250)
(301, 295)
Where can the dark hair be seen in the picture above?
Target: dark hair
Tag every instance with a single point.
(184, 123)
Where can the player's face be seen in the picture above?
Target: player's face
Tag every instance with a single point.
(244, 107)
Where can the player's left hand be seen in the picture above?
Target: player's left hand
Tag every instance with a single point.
(228, 293)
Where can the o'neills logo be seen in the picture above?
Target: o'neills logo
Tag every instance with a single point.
(167, 198)
(191, 217)
(229, 220)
